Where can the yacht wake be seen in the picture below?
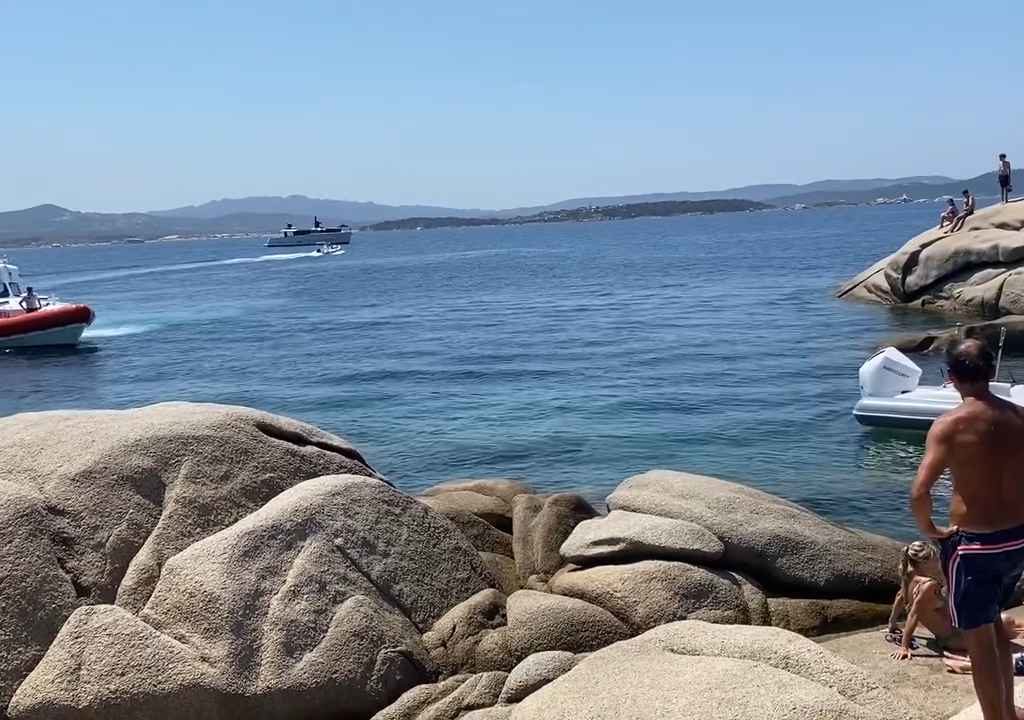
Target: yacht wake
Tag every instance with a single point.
(131, 272)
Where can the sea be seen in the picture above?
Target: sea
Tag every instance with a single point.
(568, 355)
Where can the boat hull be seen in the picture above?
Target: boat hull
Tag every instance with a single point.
(877, 412)
(68, 335)
(49, 327)
(919, 408)
(341, 238)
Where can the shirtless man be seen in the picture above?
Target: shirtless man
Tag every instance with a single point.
(982, 443)
(966, 213)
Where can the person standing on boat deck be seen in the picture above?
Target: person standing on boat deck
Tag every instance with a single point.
(1004, 174)
(981, 442)
(30, 302)
(316, 222)
(966, 213)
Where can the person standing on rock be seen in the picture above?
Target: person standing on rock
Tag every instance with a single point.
(981, 443)
(1004, 173)
(966, 213)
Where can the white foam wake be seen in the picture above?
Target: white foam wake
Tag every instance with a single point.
(130, 272)
(116, 331)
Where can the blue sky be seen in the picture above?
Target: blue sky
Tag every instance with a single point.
(142, 105)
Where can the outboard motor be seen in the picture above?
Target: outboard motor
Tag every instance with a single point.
(888, 373)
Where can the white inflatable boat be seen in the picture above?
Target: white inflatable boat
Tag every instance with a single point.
(891, 396)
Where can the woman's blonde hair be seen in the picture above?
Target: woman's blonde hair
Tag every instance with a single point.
(913, 557)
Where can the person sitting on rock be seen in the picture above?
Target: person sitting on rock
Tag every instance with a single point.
(967, 212)
(949, 215)
(923, 593)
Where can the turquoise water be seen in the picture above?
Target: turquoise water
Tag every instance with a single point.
(568, 355)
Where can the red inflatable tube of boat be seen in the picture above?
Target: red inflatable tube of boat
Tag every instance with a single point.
(46, 319)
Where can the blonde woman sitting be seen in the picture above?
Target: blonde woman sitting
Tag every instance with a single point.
(923, 594)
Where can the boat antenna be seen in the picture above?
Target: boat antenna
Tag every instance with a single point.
(999, 355)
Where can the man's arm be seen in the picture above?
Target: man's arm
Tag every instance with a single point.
(936, 454)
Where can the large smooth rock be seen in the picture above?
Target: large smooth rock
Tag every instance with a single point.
(694, 671)
(539, 622)
(813, 617)
(310, 607)
(503, 572)
(93, 503)
(472, 637)
(624, 536)
(784, 546)
(502, 488)
(649, 593)
(939, 339)
(454, 699)
(484, 536)
(491, 632)
(540, 526)
(535, 672)
(492, 510)
(978, 270)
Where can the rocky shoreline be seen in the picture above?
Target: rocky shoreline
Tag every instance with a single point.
(212, 562)
(975, 275)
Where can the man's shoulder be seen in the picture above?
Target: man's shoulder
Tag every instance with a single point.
(947, 423)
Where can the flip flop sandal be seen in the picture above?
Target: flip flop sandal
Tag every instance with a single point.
(896, 638)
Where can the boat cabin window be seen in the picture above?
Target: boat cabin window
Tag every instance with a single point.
(4, 290)
(15, 289)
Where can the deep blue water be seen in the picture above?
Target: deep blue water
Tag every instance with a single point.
(568, 355)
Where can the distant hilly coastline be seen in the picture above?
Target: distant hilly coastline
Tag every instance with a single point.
(593, 213)
(52, 224)
(353, 213)
(356, 213)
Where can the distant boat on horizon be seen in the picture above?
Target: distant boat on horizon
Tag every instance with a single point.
(292, 236)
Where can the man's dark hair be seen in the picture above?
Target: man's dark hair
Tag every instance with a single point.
(965, 192)
(971, 361)
(1002, 156)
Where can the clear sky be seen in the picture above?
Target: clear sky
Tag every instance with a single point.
(147, 105)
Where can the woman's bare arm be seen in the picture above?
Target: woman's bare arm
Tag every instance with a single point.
(897, 607)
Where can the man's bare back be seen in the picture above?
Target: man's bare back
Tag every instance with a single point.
(983, 444)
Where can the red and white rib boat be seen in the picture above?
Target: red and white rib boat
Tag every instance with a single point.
(55, 323)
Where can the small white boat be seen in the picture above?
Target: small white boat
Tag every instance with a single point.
(55, 323)
(317, 235)
(892, 396)
(330, 249)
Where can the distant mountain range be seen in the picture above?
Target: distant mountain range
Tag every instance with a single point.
(981, 185)
(760, 193)
(353, 212)
(46, 224)
(368, 212)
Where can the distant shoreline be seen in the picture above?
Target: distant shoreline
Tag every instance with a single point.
(581, 214)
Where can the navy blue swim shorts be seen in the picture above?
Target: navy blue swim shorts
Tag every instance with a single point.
(982, 570)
